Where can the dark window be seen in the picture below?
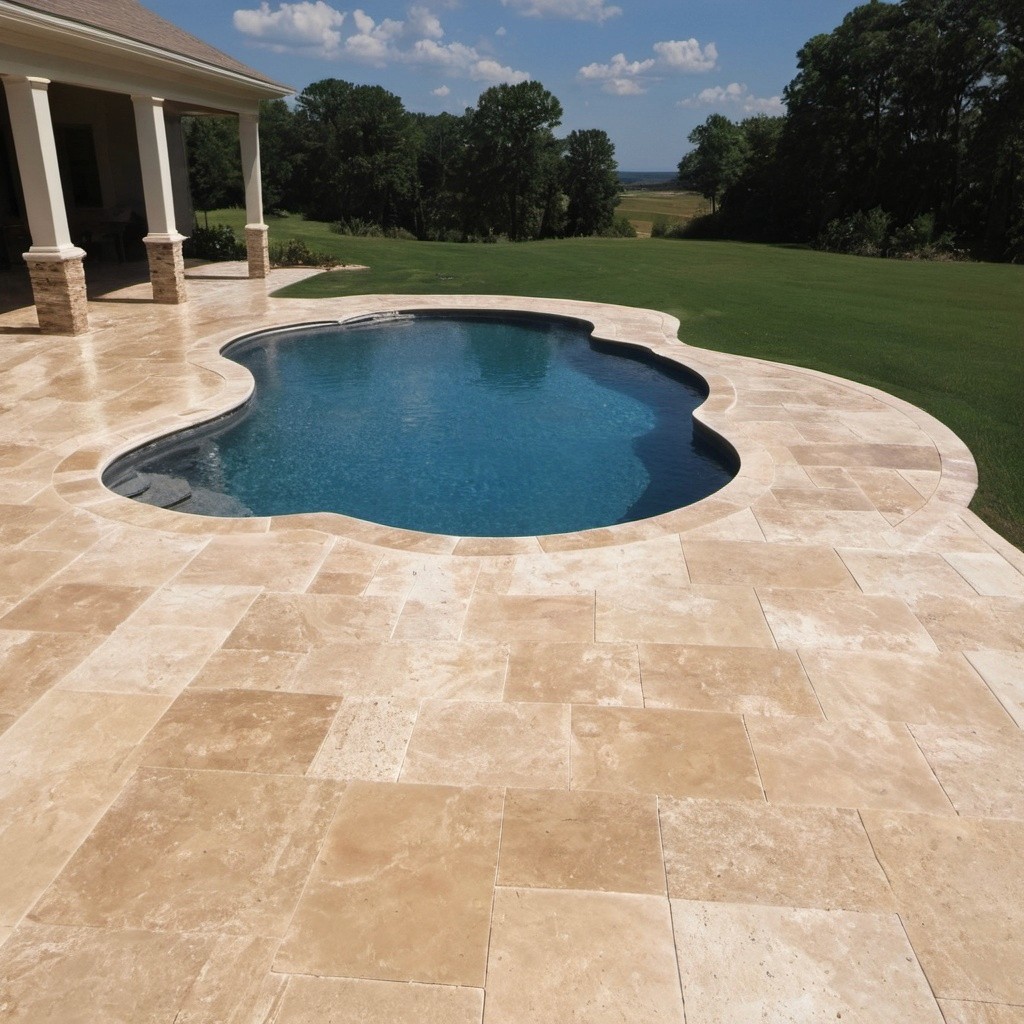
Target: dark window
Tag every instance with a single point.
(79, 170)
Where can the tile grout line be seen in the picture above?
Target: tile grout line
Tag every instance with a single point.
(668, 899)
(494, 897)
(931, 768)
(753, 754)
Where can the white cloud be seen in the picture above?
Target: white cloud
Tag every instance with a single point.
(315, 28)
(687, 55)
(622, 77)
(574, 10)
(441, 90)
(304, 26)
(735, 95)
(501, 31)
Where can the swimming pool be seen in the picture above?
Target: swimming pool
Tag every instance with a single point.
(471, 425)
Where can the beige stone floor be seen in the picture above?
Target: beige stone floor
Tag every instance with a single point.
(759, 760)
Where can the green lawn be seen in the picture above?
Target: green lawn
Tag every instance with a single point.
(643, 208)
(948, 337)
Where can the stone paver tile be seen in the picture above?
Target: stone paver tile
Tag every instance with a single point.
(906, 575)
(82, 975)
(145, 659)
(812, 526)
(839, 499)
(902, 688)
(200, 607)
(731, 679)
(229, 669)
(980, 1013)
(958, 884)
(367, 739)
(1004, 673)
(981, 770)
(196, 851)
(402, 887)
(354, 1001)
(842, 621)
(990, 575)
(747, 964)
(725, 616)
(436, 605)
(758, 853)
(423, 669)
(885, 456)
(671, 753)
(759, 565)
(241, 730)
(277, 561)
(26, 568)
(75, 608)
(61, 764)
(129, 557)
(889, 491)
(581, 840)
(31, 663)
(287, 622)
(463, 743)
(494, 617)
(984, 623)
(581, 958)
(348, 569)
(844, 764)
(574, 674)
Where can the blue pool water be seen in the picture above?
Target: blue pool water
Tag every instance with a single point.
(470, 426)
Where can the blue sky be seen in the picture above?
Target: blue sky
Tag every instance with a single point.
(644, 71)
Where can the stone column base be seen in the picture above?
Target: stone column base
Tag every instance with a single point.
(166, 270)
(58, 288)
(257, 249)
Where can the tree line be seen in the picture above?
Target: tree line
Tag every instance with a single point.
(354, 156)
(904, 132)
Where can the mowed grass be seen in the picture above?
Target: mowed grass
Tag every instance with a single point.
(948, 337)
(644, 208)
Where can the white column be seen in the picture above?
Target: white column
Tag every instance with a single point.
(255, 230)
(36, 150)
(249, 137)
(54, 261)
(163, 243)
(156, 168)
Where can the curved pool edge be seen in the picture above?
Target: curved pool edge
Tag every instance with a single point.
(78, 479)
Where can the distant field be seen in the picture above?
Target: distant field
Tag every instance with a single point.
(643, 208)
(945, 336)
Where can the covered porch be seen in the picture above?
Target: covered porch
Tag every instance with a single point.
(93, 162)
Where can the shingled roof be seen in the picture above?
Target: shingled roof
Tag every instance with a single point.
(130, 20)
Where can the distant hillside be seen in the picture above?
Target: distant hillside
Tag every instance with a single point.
(647, 179)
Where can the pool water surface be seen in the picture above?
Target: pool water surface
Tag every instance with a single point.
(471, 426)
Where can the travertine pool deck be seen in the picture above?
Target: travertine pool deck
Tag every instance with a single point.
(760, 760)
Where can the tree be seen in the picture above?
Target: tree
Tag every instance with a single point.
(718, 159)
(511, 143)
(356, 154)
(591, 182)
(214, 162)
(277, 148)
(440, 164)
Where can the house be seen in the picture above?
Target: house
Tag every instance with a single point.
(91, 147)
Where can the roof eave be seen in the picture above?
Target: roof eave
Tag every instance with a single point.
(79, 32)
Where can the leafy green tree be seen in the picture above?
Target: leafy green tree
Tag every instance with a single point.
(718, 158)
(441, 160)
(214, 162)
(277, 147)
(510, 158)
(356, 154)
(591, 182)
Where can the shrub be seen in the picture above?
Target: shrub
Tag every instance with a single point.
(863, 234)
(621, 227)
(295, 253)
(217, 243)
(356, 227)
(659, 226)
